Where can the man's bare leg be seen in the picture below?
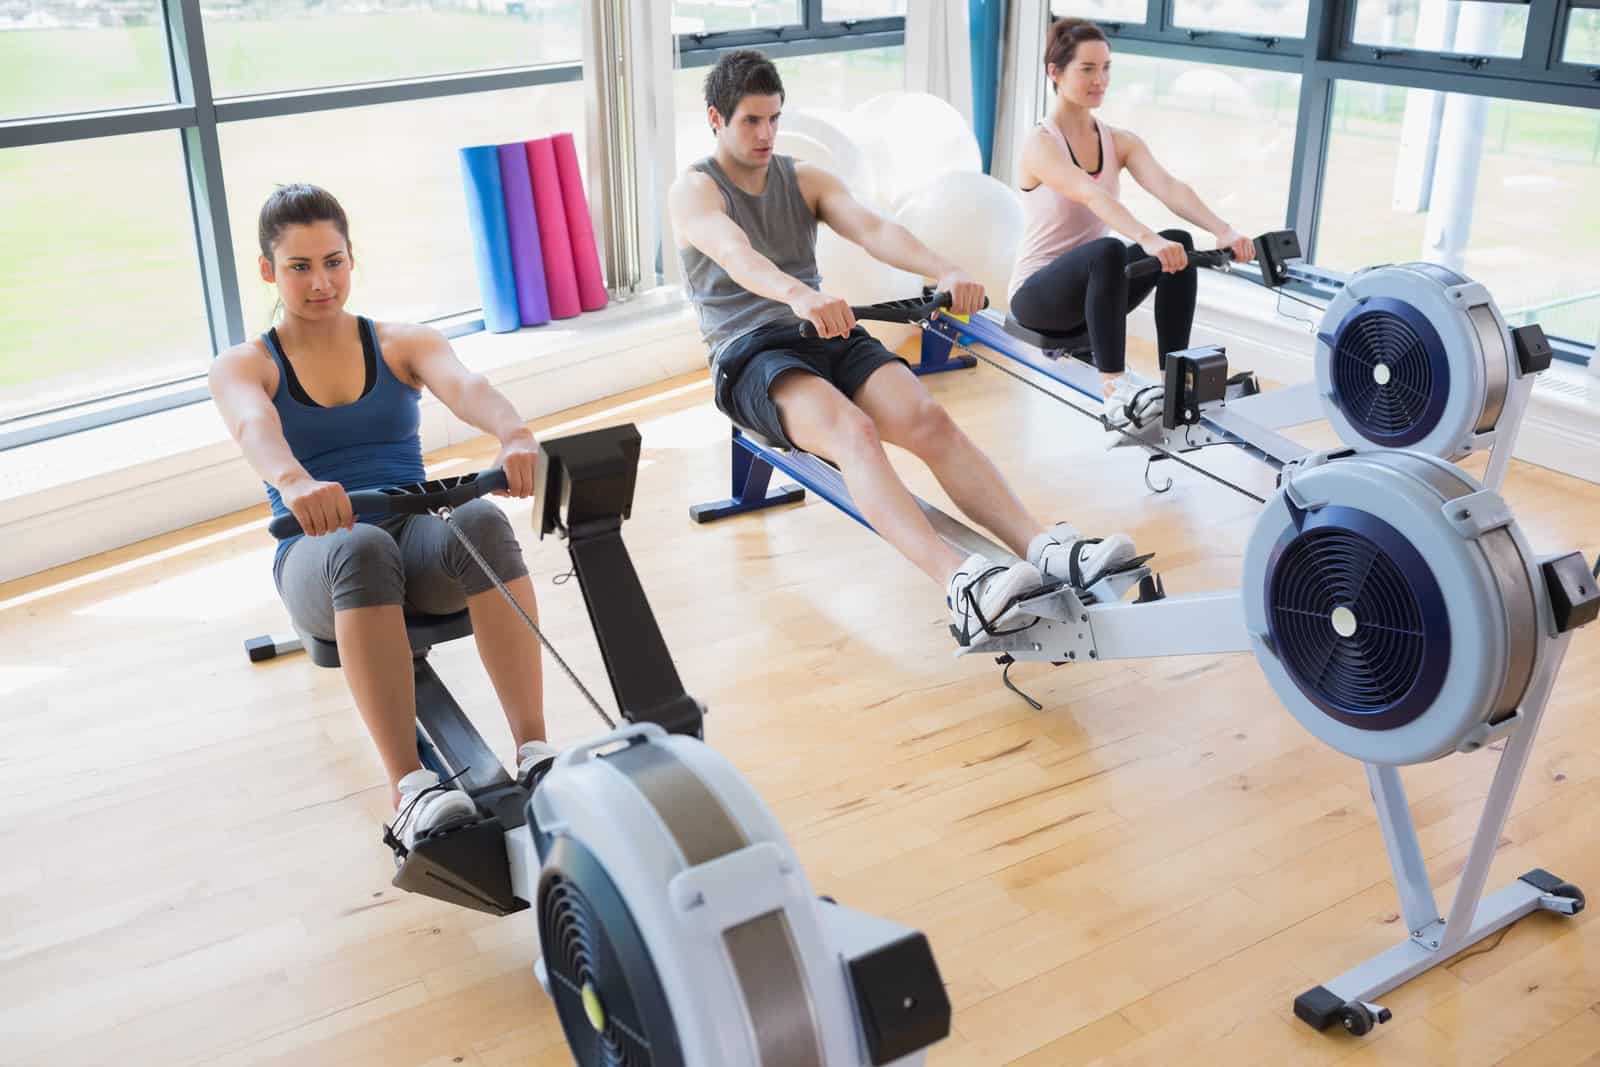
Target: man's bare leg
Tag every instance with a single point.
(907, 415)
(818, 418)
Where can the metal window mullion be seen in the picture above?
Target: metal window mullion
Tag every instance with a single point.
(1236, 51)
(1559, 89)
(1158, 14)
(812, 46)
(1504, 68)
(769, 36)
(21, 133)
(1541, 45)
(202, 155)
(306, 101)
(1326, 21)
(811, 14)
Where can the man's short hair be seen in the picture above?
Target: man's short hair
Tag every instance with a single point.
(738, 74)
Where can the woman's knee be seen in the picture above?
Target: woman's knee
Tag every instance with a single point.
(490, 532)
(1183, 237)
(1107, 252)
(364, 568)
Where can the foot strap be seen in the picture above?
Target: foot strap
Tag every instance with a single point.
(985, 626)
(1075, 563)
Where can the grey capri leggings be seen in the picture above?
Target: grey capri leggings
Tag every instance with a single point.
(413, 560)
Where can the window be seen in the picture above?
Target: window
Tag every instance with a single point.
(832, 80)
(1583, 36)
(1500, 190)
(46, 50)
(412, 248)
(1470, 27)
(1227, 131)
(259, 46)
(1277, 18)
(100, 280)
(842, 10)
(718, 16)
(1126, 11)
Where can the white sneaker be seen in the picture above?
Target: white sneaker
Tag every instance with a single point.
(1135, 401)
(532, 755)
(983, 595)
(1062, 553)
(425, 806)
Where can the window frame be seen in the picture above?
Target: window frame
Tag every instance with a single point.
(1325, 55)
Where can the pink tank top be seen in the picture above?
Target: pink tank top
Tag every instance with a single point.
(1053, 223)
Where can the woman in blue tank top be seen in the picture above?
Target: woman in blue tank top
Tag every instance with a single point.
(326, 403)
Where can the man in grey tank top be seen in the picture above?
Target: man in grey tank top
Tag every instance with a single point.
(746, 223)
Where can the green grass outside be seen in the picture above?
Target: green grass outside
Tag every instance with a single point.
(42, 71)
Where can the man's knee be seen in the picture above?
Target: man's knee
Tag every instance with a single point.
(852, 430)
(925, 428)
(819, 418)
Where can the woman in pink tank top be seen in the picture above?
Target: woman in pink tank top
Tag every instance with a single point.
(1068, 277)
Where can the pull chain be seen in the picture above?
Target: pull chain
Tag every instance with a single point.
(455, 528)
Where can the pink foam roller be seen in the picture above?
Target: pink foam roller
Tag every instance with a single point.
(560, 277)
(580, 227)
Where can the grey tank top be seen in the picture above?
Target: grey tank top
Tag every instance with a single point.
(780, 226)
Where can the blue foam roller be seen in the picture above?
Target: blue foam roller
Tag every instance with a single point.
(491, 244)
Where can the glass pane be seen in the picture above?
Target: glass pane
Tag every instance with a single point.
(259, 46)
(100, 284)
(1183, 111)
(716, 16)
(1583, 36)
(67, 57)
(1467, 27)
(832, 81)
(840, 10)
(1128, 11)
(1275, 18)
(1500, 190)
(413, 250)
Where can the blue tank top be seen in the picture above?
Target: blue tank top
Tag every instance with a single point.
(370, 443)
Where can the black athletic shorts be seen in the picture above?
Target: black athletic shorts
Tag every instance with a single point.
(743, 374)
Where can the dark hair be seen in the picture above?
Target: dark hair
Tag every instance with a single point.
(1065, 37)
(298, 204)
(738, 74)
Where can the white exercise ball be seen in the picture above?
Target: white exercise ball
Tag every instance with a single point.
(805, 149)
(972, 220)
(909, 139)
(835, 131)
(851, 274)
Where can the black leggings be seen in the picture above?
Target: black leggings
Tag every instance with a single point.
(1086, 285)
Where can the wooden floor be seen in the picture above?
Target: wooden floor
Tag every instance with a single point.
(1145, 872)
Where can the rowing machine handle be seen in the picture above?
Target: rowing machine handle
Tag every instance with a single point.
(1217, 257)
(418, 498)
(907, 311)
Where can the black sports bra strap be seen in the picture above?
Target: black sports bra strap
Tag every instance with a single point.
(369, 357)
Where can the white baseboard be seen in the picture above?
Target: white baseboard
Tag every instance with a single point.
(76, 496)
